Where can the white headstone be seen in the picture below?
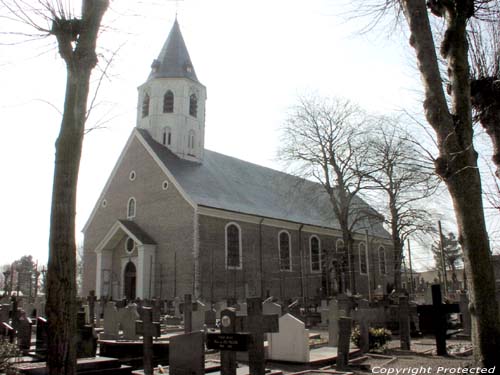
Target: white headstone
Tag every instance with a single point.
(291, 343)
(198, 316)
(324, 312)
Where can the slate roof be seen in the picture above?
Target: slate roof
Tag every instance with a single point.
(173, 60)
(232, 184)
(138, 232)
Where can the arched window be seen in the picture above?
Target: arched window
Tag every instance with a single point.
(381, 260)
(193, 105)
(314, 252)
(233, 246)
(131, 208)
(145, 106)
(167, 136)
(168, 102)
(284, 251)
(191, 140)
(363, 259)
(340, 246)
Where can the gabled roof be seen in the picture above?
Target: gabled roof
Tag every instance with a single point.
(232, 184)
(124, 227)
(174, 60)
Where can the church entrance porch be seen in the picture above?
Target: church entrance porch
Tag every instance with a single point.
(129, 281)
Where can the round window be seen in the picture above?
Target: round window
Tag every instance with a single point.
(131, 176)
(129, 245)
(165, 185)
(104, 203)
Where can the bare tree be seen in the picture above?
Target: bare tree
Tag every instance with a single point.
(484, 41)
(322, 137)
(76, 40)
(448, 110)
(397, 169)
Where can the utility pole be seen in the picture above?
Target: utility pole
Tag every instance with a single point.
(412, 286)
(443, 264)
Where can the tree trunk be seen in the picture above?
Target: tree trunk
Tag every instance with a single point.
(457, 161)
(396, 243)
(77, 46)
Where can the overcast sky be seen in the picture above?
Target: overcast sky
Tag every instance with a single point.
(254, 57)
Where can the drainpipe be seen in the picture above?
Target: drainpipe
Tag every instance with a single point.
(301, 262)
(261, 266)
(368, 266)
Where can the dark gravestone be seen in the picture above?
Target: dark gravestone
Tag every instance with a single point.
(258, 324)
(91, 299)
(440, 318)
(345, 326)
(156, 304)
(404, 323)
(4, 312)
(41, 338)
(86, 343)
(187, 354)
(148, 330)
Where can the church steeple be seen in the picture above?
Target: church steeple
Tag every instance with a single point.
(174, 60)
(171, 103)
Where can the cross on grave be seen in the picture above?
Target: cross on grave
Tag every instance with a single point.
(256, 324)
(440, 322)
(148, 329)
(91, 299)
(404, 323)
(187, 309)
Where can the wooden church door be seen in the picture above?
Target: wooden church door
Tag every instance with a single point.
(129, 281)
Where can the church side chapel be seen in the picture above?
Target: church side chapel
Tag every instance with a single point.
(176, 218)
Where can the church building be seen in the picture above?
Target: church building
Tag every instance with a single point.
(175, 218)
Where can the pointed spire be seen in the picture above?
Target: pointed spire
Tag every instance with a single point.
(174, 60)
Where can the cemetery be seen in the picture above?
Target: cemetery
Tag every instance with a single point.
(184, 336)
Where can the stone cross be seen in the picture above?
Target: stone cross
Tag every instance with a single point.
(148, 329)
(256, 324)
(187, 310)
(333, 322)
(404, 323)
(345, 325)
(440, 312)
(91, 299)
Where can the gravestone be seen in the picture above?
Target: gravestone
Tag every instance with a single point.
(111, 322)
(228, 357)
(127, 321)
(148, 329)
(291, 344)
(4, 312)
(177, 309)
(187, 354)
(210, 318)
(41, 338)
(24, 333)
(86, 342)
(198, 316)
(404, 323)
(257, 325)
(156, 305)
(345, 326)
(345, 304)
(333, 323)
(187, 313)
(324, 311)
(271, 308)
(465, 313)
(241, 309)
(440, 321)
(91, 300)
(7, 332)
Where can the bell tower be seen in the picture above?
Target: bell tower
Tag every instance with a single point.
(171, 105)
